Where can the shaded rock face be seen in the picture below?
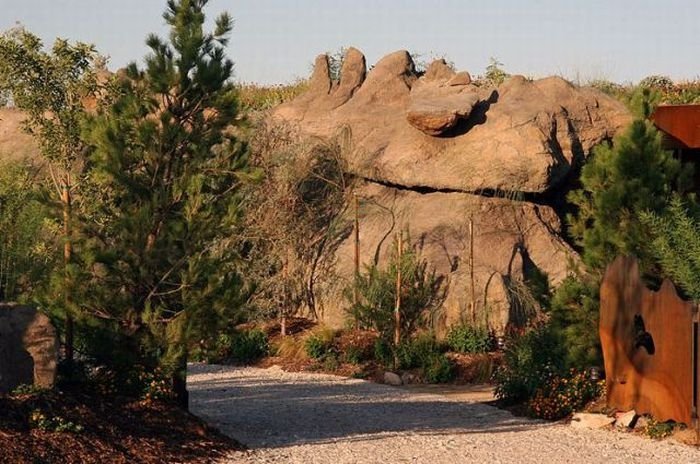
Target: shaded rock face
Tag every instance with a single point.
(15, 144)
(436, 151)
(512, 240)
(28, 347)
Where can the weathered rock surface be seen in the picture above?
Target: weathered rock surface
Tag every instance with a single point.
(511, 240)
(391, 378)
(525, 135)
(585, 420)
(436, 150)
(28, 347)
(626, 420)
(15, 144)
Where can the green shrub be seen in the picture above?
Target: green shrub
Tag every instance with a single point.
(438, 369)
(574, 321)
(422, 294)
(39, 420)
(465, 338)
(320, 344)
(383, 352)
(418, 352)
(248, 346)
(354, 355)
(561, 395)
(529, 360)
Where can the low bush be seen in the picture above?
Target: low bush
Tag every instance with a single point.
(438, 368)
(464, 338)
(529, 359)
(356, 346)
(320, 344)
(559, 396)
(248, 346)
(419, 351)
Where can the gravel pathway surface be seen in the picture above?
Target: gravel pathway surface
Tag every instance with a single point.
(317, 418)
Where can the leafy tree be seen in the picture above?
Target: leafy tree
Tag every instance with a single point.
(294, 221)
(166, 169)
(631, 175)
(28, 242)
(51, 87)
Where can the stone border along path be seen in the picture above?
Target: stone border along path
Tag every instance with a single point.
(309, 418)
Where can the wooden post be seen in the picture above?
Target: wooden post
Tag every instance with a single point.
(355, 296)
(283, 309)
(472, 305)
(67, 255)
(397, 309)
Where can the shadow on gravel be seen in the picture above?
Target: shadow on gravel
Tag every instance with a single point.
(265, 412)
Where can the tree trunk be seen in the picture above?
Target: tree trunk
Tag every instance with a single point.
(182, 396)
(67, 255)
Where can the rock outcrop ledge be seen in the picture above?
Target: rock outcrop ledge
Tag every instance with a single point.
(438, 152)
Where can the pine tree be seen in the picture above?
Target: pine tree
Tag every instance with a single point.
(166, 170)
(51, 89)
(676, 244)
(632, 175)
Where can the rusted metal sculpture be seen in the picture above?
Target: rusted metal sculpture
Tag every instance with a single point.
(648, 345)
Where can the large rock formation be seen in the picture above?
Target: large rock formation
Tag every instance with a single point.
(15, 144)
(28, 347)
(437, 151)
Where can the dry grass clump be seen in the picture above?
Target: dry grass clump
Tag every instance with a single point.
(256, 97)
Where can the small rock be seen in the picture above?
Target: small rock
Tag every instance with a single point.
(591, 421)
(461, 78)
(407, 378)
(627, 420)
(642, 422)
(392, 379)
(435, 115)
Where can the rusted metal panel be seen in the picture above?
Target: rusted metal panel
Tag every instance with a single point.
(647, 340)
(681, 123)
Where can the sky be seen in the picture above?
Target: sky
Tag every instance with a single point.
(276, 41)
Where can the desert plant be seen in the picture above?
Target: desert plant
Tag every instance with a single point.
(320, 343)
(248, 346)
(529, 359)
(422, 295)
(438, 369)
(574, 320)
(560, 395)
(294, 221)
(495, 74)
(465, 338)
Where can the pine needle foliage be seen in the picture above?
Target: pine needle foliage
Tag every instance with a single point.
(631, 175)
(676, 244)
(422, 295)
(166, 170)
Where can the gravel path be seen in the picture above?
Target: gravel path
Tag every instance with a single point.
(315, 418)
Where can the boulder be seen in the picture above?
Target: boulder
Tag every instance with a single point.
(392, 379)
(28, 347)
(433, 152)
(15, 144)
(626, 420)
(435, 116)
(527, 136)
(461, 78)
(591, 421)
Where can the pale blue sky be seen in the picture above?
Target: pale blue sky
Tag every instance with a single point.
(276, 40)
